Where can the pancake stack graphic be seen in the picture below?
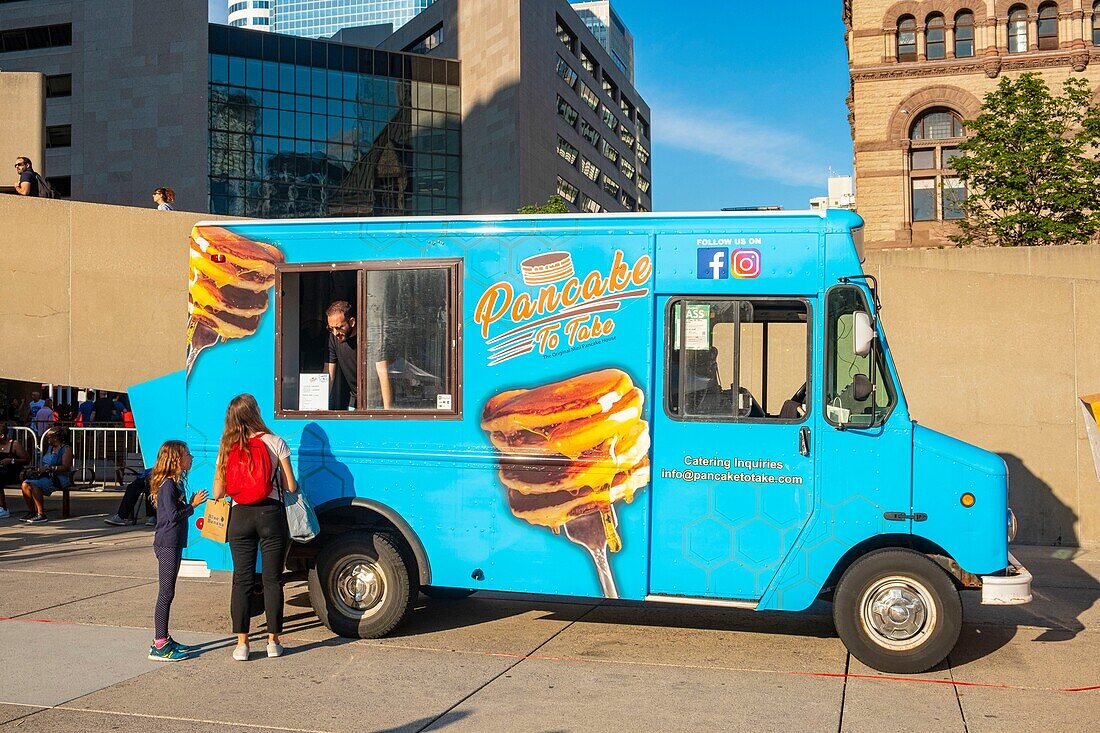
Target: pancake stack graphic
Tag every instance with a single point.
(230, 280)
(569, 451)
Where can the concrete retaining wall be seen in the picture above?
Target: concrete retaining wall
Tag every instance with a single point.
(995, 346)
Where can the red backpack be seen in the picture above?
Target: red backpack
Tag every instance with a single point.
(249, 474)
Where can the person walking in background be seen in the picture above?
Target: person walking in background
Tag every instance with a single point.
(13, 456)
(169, 476)
(28, 178)
(87, 409)
(37, 403)
(43, 419)
(253, 467)
(56, 472)
(163, 198)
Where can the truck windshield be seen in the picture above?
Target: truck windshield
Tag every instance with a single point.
(843, 365)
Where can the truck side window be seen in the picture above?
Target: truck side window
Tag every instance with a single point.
(730, 359)
(843, 365)
(369, 339)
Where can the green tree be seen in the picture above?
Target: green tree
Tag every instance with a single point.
(1030, 166)
(554, 205)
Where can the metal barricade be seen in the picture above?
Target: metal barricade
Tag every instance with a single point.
(29, 440)
(103, 455)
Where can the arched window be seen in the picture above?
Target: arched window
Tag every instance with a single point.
(1096, 23)
(964, 34)
(1017, 30)
(1047, 27)
(935, 37)
(907, 38)
(935, 192)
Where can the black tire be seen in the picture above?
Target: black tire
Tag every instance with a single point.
(367, 562)
(925, 611)
(440, 593)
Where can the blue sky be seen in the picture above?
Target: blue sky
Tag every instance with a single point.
(748, 108)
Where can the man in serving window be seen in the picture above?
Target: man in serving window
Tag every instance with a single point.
(342, 356)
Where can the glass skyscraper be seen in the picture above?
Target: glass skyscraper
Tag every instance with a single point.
(307, 128)
(322, 18)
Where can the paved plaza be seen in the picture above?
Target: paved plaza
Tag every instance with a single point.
(76, 600)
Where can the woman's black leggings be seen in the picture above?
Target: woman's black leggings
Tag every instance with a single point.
(261, 526)
(169, 559)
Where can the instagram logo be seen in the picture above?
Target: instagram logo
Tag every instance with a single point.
(745, 263)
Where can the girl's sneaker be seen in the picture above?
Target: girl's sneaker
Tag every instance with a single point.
(241, 653)
(4, 513)
(167, 653)
(177, 646)
(37, 519)
(274, 649)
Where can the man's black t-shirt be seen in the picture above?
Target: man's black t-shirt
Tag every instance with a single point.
(345, 355)
(32, 178)
(104, 410)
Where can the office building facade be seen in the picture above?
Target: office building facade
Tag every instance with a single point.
(236, 121)
(919, 71)
(307, 128)
(254, 14)
(545, 109)
(125, 110)
(610, 31)
(322, 18)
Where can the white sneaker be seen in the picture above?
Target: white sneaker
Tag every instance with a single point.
(241, 653)
(4, 514)
(274, 649)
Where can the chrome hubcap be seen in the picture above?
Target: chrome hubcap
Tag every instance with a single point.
(898, 613)
(360, 585)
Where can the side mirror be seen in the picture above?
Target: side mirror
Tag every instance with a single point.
(861, 387)
(864, 333)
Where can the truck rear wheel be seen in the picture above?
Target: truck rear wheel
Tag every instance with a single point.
(360, 585)
(897, 611)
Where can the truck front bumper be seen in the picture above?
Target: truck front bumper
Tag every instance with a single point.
(1011, 587)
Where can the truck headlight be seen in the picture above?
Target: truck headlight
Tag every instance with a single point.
(1012, 525)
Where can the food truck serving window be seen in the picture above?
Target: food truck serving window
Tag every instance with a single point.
(369, 340)
(737, 360)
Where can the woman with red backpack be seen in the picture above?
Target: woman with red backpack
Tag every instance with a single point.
(253, 467)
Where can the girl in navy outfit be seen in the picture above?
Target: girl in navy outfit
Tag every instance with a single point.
(168, 482)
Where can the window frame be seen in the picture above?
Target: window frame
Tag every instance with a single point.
(907, 56)
(1020, 22)
(666, 357)
(878, 354)
(968, 17)
(935, 24)
(455, 279)
(1050, 41)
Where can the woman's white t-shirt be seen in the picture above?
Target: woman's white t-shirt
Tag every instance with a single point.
(277, 450)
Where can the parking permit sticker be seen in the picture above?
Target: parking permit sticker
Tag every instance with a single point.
(697, 329)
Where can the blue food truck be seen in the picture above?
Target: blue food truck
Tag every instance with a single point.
(690, 409)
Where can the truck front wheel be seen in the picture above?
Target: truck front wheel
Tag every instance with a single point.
(897, 611)
(360, 585)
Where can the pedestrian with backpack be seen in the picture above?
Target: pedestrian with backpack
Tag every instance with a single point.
(169, 477)
(253, 468)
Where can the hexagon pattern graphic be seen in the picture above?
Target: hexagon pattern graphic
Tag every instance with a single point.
(744, 536)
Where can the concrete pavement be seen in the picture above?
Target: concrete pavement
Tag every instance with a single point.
(76, 600)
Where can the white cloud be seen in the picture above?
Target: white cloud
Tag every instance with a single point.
(762, 150)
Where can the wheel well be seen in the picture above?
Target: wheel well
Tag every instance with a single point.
(901, 542)
(344, 515)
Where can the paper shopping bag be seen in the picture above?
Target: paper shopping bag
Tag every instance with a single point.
(216, 521)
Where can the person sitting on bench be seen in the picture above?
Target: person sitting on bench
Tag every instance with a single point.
(126, 509)
(13, 457)
(56, 472)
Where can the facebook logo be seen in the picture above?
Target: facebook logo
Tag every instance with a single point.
(714, 263)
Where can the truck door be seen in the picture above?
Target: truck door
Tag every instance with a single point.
(733, 478)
